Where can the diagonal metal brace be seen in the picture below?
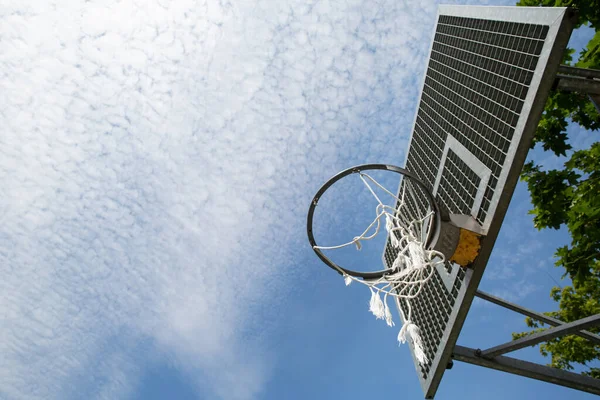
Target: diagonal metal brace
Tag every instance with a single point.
(581, 72)
(532, 314)
(575, 84)
(583, 80)
(529, 370)
(542, 336)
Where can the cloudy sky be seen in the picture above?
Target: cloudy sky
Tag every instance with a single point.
(157, 159)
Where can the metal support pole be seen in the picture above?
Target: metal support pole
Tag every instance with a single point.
(576, 84)
(583, 72)
(581, 80)
(529, 370)
(595, 99)
(544, 336)
(535, 315)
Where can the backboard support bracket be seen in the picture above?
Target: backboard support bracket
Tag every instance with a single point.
(528, 370)
(582, 80)
(539, 337)
(535, 315)
(492, 358)
(452, 237)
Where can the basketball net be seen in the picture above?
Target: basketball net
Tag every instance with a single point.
(408, 228)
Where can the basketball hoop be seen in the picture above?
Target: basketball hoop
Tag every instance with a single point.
(413, 228)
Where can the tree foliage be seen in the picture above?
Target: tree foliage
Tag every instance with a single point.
(570, 197)
(574, 303)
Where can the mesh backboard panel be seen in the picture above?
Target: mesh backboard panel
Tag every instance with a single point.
(488, 77)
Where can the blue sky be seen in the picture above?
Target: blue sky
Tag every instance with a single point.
(158, 159)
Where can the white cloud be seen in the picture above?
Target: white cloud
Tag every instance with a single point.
(157, 159)
(517, 290)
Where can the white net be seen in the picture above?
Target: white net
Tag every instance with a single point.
(408, 226)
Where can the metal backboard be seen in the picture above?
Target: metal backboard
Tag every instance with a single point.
(488, 77)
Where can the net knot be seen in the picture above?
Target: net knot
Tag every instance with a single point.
(389, 226)
(403, 331)
(388, 313)
(415, 335)
(376, 305)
